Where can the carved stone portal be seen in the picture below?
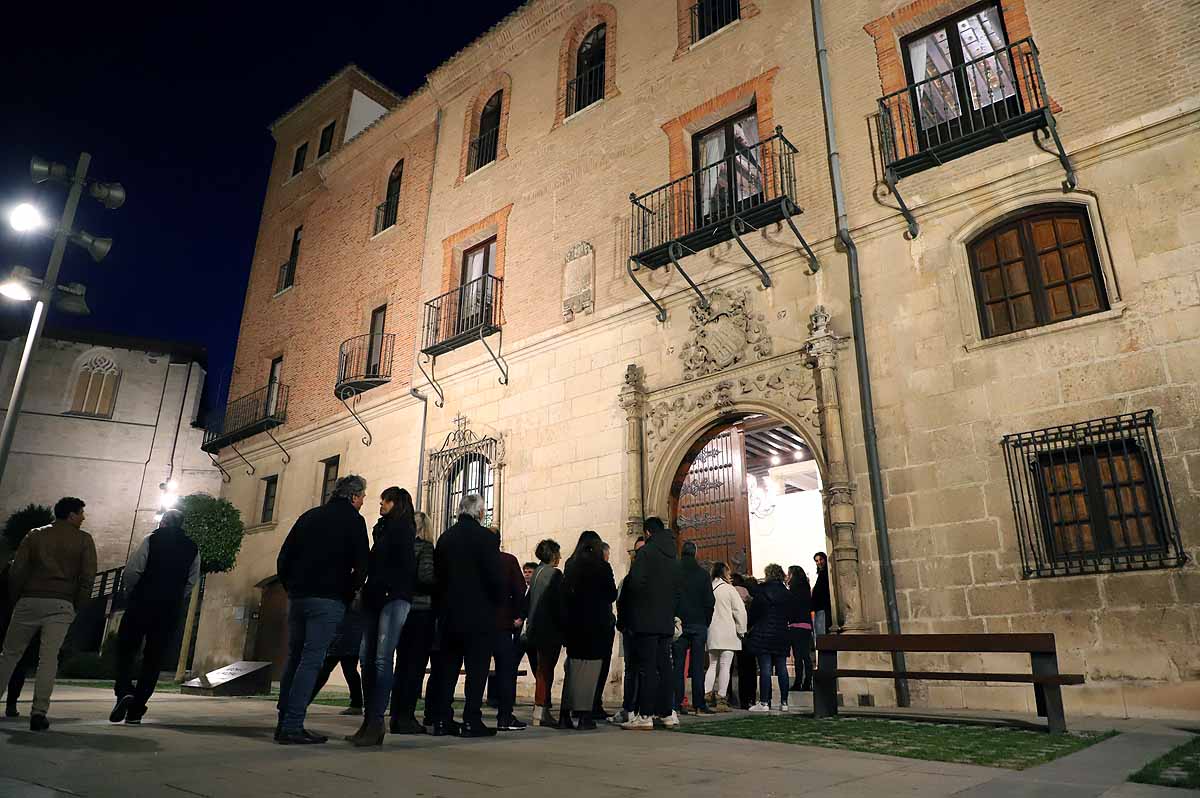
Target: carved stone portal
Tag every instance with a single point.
(724, 334)
(579, 276)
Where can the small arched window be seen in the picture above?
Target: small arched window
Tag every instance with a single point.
(96, 387)
(387, 213)
(1036, 268)
(587, 86)
(486, 145)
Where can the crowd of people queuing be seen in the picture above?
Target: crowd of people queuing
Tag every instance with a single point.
(400, 607)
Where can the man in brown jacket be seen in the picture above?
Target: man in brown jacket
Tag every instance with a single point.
(51, 577)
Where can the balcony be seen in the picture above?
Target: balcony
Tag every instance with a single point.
(470, 312)
(386, 213)
(970, 107)
(709, 16)
(364, 362)
(253, 413)
(586, 88)
(482, 150)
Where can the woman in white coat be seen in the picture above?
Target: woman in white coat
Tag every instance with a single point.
(725, 635)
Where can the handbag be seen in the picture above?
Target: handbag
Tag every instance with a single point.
(678, 630)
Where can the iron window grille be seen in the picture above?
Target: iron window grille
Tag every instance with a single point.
(709, 16)
(464, 464)
(483, 150)
(587, 87)
(1092, 497)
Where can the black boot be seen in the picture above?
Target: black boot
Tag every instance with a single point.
(564, 720)
(586, 721)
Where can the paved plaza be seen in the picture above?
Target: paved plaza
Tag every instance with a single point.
(222, 747)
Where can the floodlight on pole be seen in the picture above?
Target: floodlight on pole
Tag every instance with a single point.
(96, 247)
(25, 218)
(20, 284)
(41, 170)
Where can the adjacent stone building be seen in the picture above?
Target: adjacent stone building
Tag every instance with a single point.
(572, 273)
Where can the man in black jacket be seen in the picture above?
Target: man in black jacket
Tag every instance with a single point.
(321, 565)
(650, 598)
(469, 589)
(158, 578)
(696, 604)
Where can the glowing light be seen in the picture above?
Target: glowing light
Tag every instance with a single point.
(14, 289)
(172, 486)
(25, 218)
(775, 460)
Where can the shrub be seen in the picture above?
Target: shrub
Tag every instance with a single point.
(20, 523)
(216, 526)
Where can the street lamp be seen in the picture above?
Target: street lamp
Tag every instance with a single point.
(24, 218)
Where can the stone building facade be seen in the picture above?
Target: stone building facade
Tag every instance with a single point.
(110, 419)
(1048, 301)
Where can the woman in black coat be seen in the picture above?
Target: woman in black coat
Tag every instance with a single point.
(800, 626)
(589, 591)
(768, 637)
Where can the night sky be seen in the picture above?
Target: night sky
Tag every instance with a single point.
(176, 107)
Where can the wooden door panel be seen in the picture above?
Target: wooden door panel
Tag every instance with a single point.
(711, 503)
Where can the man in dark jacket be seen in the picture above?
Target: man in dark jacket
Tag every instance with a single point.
(509, 614)
(650, 598)
(821, 606)
(50, 579)
(321, 565)
(696, 604)
(630, 680)
(158, 578)
(470, 585)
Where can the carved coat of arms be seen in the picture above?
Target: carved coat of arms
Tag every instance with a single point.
(722, 334)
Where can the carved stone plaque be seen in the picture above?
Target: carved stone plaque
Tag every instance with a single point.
(578, 279)
(724, 334)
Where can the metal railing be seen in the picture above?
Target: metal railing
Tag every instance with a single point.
(964, 108)
(365, 361)
(1092, 497)
(733, 186)
(248, 415)
(585, 89)
(709, 16)
(472, 310)
(386, 213)
(287, 275)
(483, 150)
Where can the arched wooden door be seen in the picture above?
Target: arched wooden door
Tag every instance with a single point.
(708, 499)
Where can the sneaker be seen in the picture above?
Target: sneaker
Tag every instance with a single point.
(670, 721)
(705, 711)
(760, 707)
(133, 717)
(783, 707)
(121, 710)
(511, 724)
(638, 723)
(621, 717)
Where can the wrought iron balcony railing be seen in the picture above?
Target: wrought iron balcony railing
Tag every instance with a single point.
(482, 150)
(585, 89)
(251, 414)
(386, 213)
(709, 16)
(364, 362)
(470, 312)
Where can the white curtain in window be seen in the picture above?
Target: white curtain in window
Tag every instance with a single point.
(989, 80)
(933, 74)
(714, 179)
(748, 164)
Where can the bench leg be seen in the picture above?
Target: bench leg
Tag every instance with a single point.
(825, 685)
(1049, 696)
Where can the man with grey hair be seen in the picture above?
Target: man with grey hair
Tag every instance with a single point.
(322, 564)
(156, 581)
(470, 586)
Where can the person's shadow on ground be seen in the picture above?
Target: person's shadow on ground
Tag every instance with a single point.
(246, 732)
(75, 740)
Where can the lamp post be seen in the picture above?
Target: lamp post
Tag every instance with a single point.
(24, 218)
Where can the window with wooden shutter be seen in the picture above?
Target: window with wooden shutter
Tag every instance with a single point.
(1035, 269)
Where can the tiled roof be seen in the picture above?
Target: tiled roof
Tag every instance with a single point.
(351, 67)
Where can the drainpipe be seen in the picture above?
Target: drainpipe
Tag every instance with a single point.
(421, 457)
(886, 575)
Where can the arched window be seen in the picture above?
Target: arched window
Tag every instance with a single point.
(387, 213)
(96, 387)
(1036, 268)
(486, 144)
(587, 86)
(471, 473)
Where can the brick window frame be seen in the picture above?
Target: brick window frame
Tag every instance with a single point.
(683, 19)
(453, 246)
(496, 82)
(758, 91)
(582, 24)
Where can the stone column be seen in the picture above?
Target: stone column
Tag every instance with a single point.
(633, 401)
(821, 349)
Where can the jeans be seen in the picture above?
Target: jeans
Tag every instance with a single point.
(52, 617)
(801, 642)
(629, 700)
(412, 657)
(312, 623)
(690, 642)
(779, 663)
(381, 636)
(820, 623)
(153, 624)
(504, 683)
(349, 672)
(653, 654)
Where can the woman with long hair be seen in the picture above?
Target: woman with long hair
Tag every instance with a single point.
(386, 599)
(589, 591)
(725, 635)
(800, 627)
(768, 636)
(745, 662)
(416, 639)
(543, 627)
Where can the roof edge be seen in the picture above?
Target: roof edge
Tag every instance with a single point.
(349, 68)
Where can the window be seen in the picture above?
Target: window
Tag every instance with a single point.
(949, 68)
(326, 139)
(96, 388)
(273, 380)
(329, 477)
(709, 16)
(472, 473)
(375, 343)
(387, 213)
(270, 488)
(587, 87)
(732, 144)
(298, 160)
(485, 147)
(1036, 269)
(477, 293)
(287, 272)
(1092, 496)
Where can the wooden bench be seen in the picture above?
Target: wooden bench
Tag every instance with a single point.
(1044, 676)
